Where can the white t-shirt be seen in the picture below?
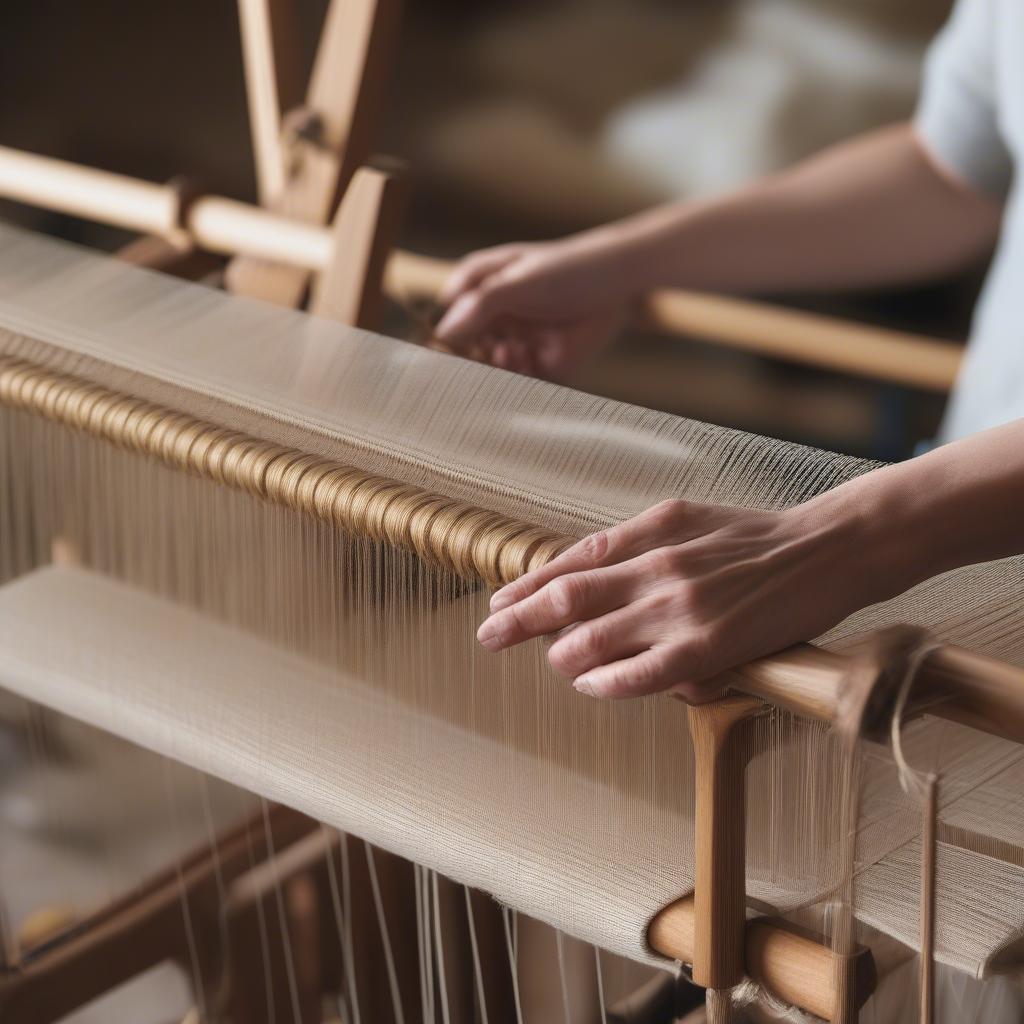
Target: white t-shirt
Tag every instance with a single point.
(971, 116)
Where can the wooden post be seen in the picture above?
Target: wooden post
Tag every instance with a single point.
(720, 836)
(720, 830)
(364, 231)
(264, 39)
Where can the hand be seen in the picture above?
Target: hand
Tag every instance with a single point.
(683, 592)
(553, 352)
(542, 309)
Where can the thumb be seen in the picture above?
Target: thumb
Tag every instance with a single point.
(470, 315)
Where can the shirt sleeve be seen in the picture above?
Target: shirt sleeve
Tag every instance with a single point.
(958, 114)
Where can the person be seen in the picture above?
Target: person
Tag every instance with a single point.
(683, 592)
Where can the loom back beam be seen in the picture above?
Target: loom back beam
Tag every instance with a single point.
(233, 228)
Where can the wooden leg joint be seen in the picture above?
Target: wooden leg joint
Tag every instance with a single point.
(792, 964)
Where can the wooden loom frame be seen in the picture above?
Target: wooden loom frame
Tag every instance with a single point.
(275, 250)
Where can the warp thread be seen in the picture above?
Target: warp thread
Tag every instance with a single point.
(923, 787)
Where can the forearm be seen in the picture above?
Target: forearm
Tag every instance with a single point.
(874, 211)
(958, 505)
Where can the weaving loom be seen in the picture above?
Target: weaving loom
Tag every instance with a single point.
(257, 544)
(295, 615)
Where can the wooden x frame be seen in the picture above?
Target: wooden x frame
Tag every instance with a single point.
(307, 156)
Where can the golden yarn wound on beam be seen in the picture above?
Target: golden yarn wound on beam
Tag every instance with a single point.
(472, 542)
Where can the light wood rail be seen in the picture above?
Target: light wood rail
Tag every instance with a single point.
(230, 227)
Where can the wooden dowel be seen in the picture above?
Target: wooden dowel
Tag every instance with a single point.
(956, 685)
(84, 192)
(413, 276)
(926, 975)
(788, 962)
(897, 356)
(804, 679)
(981, 692)
(229, 227)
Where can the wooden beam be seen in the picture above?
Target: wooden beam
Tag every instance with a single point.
(808, 338)
(789, 962)
(230, 227)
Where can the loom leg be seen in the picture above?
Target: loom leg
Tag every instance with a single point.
(719, 870)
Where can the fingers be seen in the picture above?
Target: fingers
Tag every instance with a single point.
(556, 357)
(564, 601)
(562, 349)
(671, 522)
(651, 671)
(475, 295)
(474, 269)
(603, 640)
(613, 650)
(471, 314)
(513, 353)
(589, 553)
(615, 655)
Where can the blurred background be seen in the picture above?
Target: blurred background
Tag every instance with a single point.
(526, 119)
